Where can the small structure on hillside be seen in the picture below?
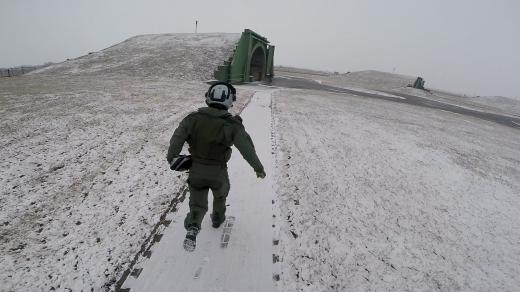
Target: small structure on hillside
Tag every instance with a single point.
(16, 71)
(419, 83)
(252, 60)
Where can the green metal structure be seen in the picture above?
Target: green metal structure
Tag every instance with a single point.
(252, 60)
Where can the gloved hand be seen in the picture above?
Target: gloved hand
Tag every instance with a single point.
(260, 174)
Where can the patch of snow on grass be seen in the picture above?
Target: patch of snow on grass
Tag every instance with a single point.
(83, 174)
(382, 196)
(177, 56)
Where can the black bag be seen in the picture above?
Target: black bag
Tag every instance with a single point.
(182, 163)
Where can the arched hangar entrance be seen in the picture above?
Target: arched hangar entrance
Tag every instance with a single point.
(252, 60)
(257, 64)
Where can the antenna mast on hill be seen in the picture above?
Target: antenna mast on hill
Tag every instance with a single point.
(196, 24)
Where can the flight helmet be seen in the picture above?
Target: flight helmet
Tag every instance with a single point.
(221, 95)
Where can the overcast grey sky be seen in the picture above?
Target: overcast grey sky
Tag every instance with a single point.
(459, 45)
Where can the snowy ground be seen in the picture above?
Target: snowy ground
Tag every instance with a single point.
(371, 195)
(390, 197)
(505, 104)
(381, 82)
(178, 56)
(83, 174)
(497, 105)
(369, 79)
(83, 177)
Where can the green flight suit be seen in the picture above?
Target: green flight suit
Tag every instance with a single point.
(210, 133)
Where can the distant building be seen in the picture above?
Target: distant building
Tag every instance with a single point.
(252, 60)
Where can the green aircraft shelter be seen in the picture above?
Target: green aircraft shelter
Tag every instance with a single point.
(252, 60)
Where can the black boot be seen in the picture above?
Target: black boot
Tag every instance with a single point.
(191, 237)
(217, 220)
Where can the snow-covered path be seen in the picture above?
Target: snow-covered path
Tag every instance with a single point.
(247, 263)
